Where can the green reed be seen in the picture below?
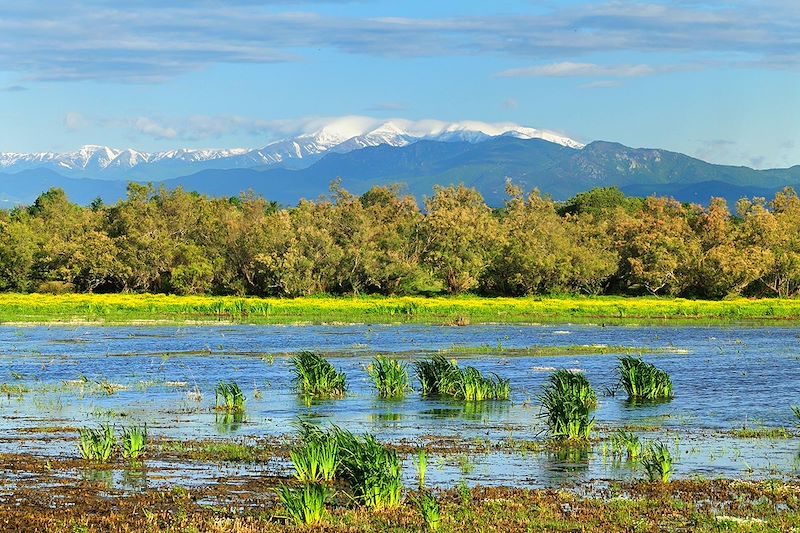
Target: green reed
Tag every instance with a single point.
(624, 443)
(316, 461)
(305, 505)
(96, 444)
(134, 441)
(229, 397)
(390, 377)
(567, 400)
(428, 507)
(657, 462)
(643, 381)
(438, 376)
(316, 377)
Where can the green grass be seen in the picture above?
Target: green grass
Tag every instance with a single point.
(96, 445)
(304, 505)
(567, 400)
(116, 308)
(440, 377)
(429, 509)
(422, 467)
(390, 377)
(371, 469)
(796, 411)
(643, 381)
(626, 444)
(134, 441)
(316, 461)
(315, 377)
(229, 397)
(657, 462)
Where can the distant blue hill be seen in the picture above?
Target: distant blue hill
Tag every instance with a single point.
(555, 169)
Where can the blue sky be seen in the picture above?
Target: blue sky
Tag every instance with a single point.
(717, 80)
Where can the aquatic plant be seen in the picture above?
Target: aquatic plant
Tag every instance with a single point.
(567, 400)
(657, 462)
(422, 466)
(370, 469)
(389, 376)
(304, 505)
(796, 411)
(627, 444)
(316, 377)
(134, 441)
(96, 444)
(316, 461)
(643, 381)
(438, 376)
(428, 507)
(229, 397)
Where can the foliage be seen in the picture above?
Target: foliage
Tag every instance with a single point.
(567, 400)
(316, 377)
(627, 444)
(389, 376)
(304, 505)
(657, 462)
(229, 397)
(422, 466)
(643, 381)
(316, 461)
(438, 376)
(96, 444)
(134, 441)
(428, 507)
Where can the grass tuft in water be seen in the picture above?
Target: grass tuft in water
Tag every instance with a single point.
(422, 466)
(796, 411)
(390, 377)
(134, 441)
(304, 505)
(627, 444)
(229, 397)
(316, 461)
(317, 378)
(438, 376)
(96, 444)
(643, 381)
(657, 462)
(370, 469)
(567, 400)
(428, 507)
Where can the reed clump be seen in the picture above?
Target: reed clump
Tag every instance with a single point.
(657, 462)
(390, 377)
(438, 376)
(134, 442)
(229, 397)
(643, 381)
(305, 505)
(96, 445)
(316, 378)
(626, 444)
(567, 401)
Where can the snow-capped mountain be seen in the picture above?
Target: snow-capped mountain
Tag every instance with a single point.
(340, 136)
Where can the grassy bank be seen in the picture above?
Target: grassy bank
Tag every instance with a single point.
(121, 308)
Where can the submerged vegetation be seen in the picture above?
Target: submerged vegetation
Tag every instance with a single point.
(438, 376)
(643, 381)
(390, 377)
(567, 400)
(316, 378)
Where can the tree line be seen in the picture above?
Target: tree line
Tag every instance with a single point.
(382, 242)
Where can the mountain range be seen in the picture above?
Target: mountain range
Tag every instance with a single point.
(479, 155)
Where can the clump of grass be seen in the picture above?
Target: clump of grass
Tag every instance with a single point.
(567, 400)
(96, 444)
(624, 443)
(229, 397)
(317, 378)
(316, 461)
(438, 376)
(643, 381)
(390, 377)
(370, 469)
(134, 441)
(305, 505)
(422, 466)
(796, 411)
(428, 507)
(657, 462)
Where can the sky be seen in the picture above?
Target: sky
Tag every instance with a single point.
(715, 80)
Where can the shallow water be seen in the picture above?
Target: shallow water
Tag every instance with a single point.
(723, 378)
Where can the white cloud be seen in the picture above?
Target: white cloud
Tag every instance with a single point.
(75, 121)
(583, 70)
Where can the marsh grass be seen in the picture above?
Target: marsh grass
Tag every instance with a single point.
(315, 377)
(643, 381)
(438, 376)
(134, 442)
(229, 397)
(567, 400)
(305, 505)
(316, 461)
(657, 462)
(428, 507)
(390, 377)
(422, 466)
(371, 470)
(96, 445)
(626, 444)
(796, 411)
